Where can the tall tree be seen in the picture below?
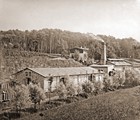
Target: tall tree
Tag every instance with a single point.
(21, 97)
(37, 94)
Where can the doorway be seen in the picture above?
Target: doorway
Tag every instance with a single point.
(28, 81)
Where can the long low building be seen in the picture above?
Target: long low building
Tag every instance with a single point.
(77, 76)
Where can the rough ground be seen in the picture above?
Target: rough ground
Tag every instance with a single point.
(14, 61)
(119, 105)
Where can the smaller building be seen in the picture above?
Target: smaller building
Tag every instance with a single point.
(5, 91)
(50, 78)
(104, 68)
(79, 54)
(134, 62)
(119, 64)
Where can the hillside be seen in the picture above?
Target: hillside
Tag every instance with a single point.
(14, 60)
(118, 105)
(57, 41)
(36, 48)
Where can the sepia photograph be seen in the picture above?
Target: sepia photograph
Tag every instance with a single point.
(69, 59)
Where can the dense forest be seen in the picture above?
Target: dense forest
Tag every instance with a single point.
(55, 41)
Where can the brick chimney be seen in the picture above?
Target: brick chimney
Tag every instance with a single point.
(1, 62)
(104, 54)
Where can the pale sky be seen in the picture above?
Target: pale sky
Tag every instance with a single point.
(119, 18)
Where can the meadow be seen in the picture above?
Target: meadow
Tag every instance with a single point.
(122, 104)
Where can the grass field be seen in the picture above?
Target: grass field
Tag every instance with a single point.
(119, 105)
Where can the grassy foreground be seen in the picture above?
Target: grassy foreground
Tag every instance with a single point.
(119, 105)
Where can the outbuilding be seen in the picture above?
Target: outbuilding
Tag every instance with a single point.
(104, 68)
(79, 54)
(119, 64)
(6, 92)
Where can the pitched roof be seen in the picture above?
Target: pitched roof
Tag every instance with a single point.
(63, 71)
(4, 81)
(80, 48)
(100, 66)
(115, 59)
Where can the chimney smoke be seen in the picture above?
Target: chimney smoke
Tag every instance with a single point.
(103, 55)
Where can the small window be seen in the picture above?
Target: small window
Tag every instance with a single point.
(26, 73)
(29, 73)
(7, 85)
(3, 95)
(6, 96)
(62, 80)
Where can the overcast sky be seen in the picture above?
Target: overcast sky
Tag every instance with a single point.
(119, 18)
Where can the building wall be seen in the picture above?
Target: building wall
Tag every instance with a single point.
(110, 68)
(54, 84)
(105, 69)
(83, 55)
(6, 95)
(121, 68)
(99, 77)
(118, 68)
(45, 83)
(24, 75)
(5, 91)
(76, 80)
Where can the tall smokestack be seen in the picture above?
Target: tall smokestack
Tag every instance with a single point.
(104, 54)
(1, 62)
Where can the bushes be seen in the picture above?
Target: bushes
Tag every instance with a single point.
(58, 102)
(111, 83)
(71, 90)
(132, 78)
(10, 115)
(21, 97)
(87, 87)
(124, 79)
(66, 91)
(61, 90)
(83, 95)
(106, 83)
(66, 88)
(37, 94)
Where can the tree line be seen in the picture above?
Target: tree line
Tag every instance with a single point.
(56, 41)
